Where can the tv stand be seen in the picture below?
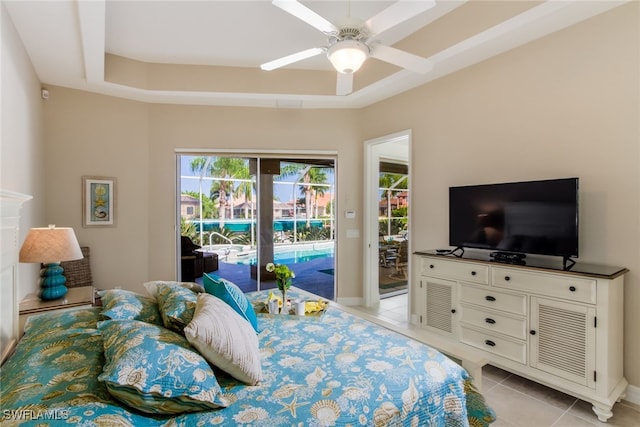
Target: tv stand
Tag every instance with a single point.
(567, 263)
(455, 252)
(558, 327)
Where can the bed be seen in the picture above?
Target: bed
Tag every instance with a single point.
(321, 370)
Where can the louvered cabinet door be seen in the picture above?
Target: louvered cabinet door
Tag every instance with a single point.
(562, 340)
(441, 297)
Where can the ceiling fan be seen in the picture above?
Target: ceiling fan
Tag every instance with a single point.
(352, 42)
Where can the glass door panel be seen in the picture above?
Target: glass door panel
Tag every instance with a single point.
(392, 228)
(249, 211)
(218, 214)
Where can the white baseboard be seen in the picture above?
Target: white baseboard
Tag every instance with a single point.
(351, 301)
(633, 394)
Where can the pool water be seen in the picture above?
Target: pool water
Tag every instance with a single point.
(288, 256)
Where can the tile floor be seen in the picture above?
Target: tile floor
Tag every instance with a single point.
(518, 401)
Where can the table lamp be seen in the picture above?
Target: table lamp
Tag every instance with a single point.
(50, 246)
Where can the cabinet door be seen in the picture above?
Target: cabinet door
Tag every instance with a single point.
(440, 304)
(562, 340)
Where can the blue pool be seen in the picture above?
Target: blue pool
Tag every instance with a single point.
(286, 255)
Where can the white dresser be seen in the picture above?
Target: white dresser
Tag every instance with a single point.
(562, 328)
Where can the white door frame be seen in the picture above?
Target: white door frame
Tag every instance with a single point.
(372, 158)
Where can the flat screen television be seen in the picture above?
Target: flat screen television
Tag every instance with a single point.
(534, 217)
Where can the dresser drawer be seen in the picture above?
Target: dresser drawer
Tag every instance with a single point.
(505, 347)
(493, 321)
(467, 271)
(570, 288)
(493, 298)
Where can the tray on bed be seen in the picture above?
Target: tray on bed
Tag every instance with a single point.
(314, 308)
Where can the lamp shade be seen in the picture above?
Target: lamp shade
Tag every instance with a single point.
(347, 56)
(50, 245)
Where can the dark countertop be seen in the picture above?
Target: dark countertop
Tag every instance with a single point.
(553, 264)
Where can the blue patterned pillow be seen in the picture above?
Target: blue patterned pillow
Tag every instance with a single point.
(231, 294)
(155, 370)
(152, 286)
(119, 304)
(177, 305)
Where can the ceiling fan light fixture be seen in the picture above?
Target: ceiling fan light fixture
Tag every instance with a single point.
(347, 56)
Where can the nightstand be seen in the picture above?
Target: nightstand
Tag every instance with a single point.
(75, 297)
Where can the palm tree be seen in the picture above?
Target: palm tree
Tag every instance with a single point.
(200, 165)
(221, 168)
(310, 175)
(298, 169)
(245, 190)
(316, 176)
(221, 188)
(389, 182)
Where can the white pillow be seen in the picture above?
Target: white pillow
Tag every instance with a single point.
(225, 339)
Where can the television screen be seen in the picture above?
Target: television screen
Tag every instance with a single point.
(536, 217)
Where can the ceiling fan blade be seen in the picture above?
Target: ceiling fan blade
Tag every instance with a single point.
(403, 59)
(290, 59)
(344, 84)
(396, 13)
(305, 14)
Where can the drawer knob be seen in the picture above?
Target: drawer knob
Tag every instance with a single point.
(490, 343)
(490, 298)
(473, 273)
(430, 265)
(532, 332)
(572, 288)
(490, 321)
(453, 310)
(507, 278)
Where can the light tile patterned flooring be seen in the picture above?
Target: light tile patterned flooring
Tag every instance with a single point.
(518, 401)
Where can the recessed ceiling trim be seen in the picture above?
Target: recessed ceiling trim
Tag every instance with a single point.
(91, 16)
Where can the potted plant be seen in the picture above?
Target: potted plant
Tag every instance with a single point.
(283, 280)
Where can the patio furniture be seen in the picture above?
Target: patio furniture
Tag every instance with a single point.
(194, 262)
(402, 259)
(387, 254)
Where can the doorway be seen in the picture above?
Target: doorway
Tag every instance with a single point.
(387, 217)
(236, 213)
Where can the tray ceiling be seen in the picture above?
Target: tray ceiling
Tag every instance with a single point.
(209, 52)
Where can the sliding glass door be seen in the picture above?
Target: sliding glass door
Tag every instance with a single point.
(238, 213)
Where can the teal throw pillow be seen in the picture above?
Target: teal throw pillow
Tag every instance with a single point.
(231, 294)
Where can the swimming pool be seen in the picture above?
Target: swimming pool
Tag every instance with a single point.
(290, 254)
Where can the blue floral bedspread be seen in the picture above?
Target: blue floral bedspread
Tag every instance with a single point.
(334, 370)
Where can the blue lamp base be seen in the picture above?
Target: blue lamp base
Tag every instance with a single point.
(52, 282)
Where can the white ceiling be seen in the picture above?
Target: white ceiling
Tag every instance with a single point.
(67, 41)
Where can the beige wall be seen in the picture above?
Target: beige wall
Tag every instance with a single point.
(567, 105)
(96, 135)
(22, 167)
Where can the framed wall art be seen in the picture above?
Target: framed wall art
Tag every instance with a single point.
(98, 201)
